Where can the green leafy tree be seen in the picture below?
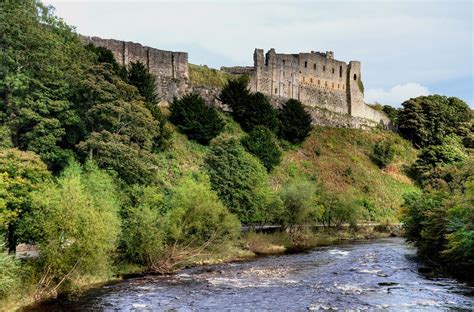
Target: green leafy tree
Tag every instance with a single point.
(75, 223)
(104, 55)
(262, 143)
(239, 179)
(194, 118)
(435, 156)
(20, 174)
(426, 120)
(383, 153)
(295, 122)
(41, 65)
(10, 274)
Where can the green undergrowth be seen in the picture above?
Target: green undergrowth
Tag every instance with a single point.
(204, 76)
(339, 161)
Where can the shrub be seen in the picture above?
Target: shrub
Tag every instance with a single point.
(197, 217)
(75, 223)
(300, 203)
(338, 210)
(295, 122)
(261, 143)
(143, 234)
(195, 119)
(238, 178)
(383, 153)
(9, 274)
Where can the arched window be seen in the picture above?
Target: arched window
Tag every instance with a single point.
(340, 71)
(305, 64)
(314, 66)
(355, 76)
(324, 68)
(333, 70)
(311, 79)
(283, 62)
(276, 90)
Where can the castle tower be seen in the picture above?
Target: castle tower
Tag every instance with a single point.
(355, 97)
(258, 62)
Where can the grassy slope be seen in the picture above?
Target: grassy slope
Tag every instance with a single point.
(205, 76)
(344, 167)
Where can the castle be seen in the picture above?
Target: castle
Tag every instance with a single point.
(331, 89)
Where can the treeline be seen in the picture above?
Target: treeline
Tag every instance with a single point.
(440, 219)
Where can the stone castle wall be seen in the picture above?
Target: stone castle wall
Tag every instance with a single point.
(316, 79)
(170, 68)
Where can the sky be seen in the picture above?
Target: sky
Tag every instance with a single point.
(407, 48)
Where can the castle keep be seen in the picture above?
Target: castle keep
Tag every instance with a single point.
(331, 89)
(316, 79)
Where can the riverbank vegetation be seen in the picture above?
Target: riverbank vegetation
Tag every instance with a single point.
(96, 180)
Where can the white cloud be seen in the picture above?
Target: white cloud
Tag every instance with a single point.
(397, 94)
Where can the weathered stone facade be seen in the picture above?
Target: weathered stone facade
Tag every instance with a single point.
(170, 68)
(316, 79)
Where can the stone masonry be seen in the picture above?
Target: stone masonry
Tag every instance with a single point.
(170, 68)
(316, 79)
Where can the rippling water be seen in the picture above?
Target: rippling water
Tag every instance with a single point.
(376, 275)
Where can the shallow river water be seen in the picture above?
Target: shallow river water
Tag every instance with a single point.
(373, 275)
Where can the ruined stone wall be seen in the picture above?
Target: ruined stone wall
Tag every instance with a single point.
(170, 68)
(316, 79)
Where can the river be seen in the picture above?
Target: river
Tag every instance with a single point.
(372, 275)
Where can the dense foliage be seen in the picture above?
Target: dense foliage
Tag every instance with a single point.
(262, 143)
(197, 120)
(426, 120)
(249, 109)
(295, 121)
(383, 153)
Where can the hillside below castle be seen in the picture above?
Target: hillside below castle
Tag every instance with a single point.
(330, 89)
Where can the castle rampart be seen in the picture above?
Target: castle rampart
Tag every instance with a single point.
(170, 68)
(316, 79)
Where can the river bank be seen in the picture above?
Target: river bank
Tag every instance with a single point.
(380, 274)
(251, 245)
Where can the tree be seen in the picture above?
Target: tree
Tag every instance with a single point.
(426, 120)
(104, 55)
(75, 223)
(239, 180)
(42, 62)
(295, 122)
(194, 118)
(262, 143)
(249, 109)
(145, 82)
(383, 153)
(20, 174)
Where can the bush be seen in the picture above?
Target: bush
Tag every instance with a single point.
(143, 234)
(239, 179)
(9, 274)
(197, 217)
(300, 203)
(195, 119)
(295, 122)
(338, 210)
(261, 143)
(249, 109)
(383, 153)
(75, 223)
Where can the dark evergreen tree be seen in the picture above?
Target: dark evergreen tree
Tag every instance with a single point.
(195, 119)
(145, 82)
(104, 55)
(295, 122)
(249, 109)
(262, 143)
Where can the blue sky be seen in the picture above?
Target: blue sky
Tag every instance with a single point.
(407, 48)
